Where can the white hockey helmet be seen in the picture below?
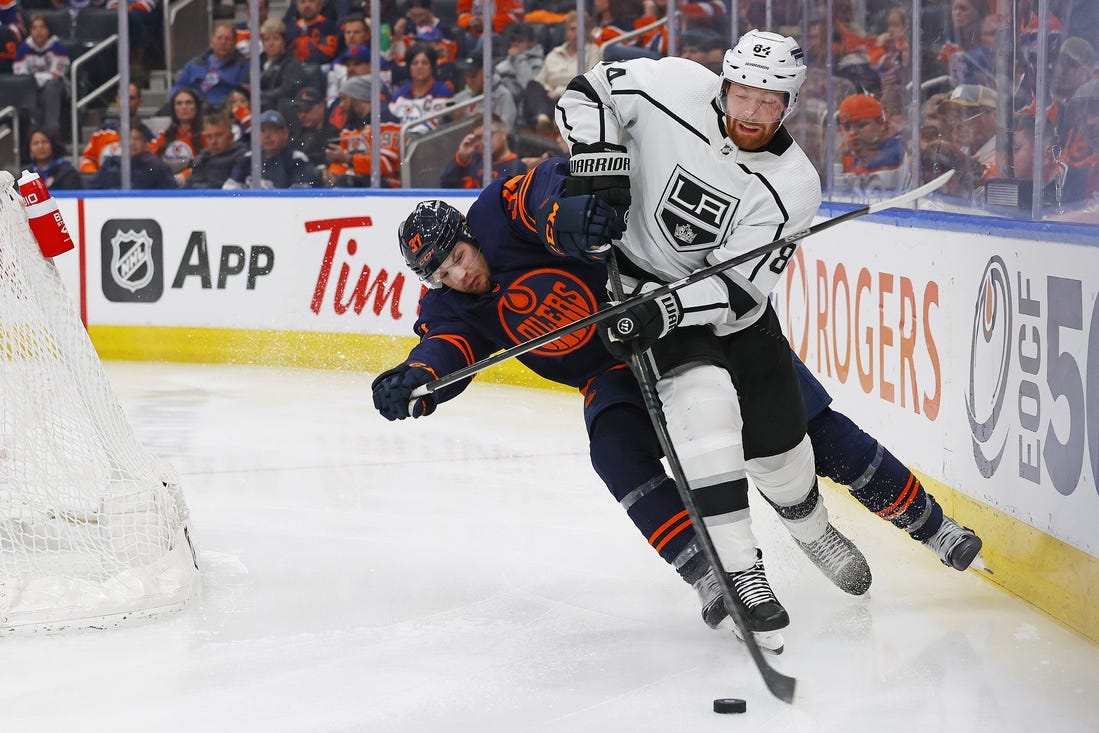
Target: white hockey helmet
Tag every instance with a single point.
(765, 60)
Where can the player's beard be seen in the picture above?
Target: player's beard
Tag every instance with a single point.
(750, 135)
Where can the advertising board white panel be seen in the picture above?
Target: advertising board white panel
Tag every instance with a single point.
(295, 264)
(974, 358)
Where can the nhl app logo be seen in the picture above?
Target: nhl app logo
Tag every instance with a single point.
(132, 255)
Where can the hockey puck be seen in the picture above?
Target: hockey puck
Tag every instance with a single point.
(729, 705)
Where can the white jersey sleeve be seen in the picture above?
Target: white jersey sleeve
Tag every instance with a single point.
(697, 198)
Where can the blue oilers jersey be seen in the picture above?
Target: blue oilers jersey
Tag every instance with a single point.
(532, 291)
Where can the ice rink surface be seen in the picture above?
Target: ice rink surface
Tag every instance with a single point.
(469, 572)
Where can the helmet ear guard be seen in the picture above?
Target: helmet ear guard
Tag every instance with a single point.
(765, 60)
(429, 235)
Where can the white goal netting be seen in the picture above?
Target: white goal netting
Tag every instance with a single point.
(93, 529)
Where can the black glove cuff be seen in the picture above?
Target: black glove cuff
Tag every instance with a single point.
(605, 187)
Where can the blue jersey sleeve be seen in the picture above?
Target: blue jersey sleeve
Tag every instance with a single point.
(447, 343)
(524, 195)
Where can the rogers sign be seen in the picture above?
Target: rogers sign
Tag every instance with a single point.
(873, 327)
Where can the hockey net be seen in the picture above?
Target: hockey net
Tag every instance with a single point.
(93, 529)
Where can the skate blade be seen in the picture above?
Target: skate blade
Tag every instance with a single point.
(769, 641)
(979, 564)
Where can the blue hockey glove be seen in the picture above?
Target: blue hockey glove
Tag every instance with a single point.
(601, 170)
(393, 392)
(642, 325)
(581, 227)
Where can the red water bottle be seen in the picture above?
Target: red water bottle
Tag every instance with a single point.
(45, 219)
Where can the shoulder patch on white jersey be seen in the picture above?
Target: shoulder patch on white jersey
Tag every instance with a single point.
(693, 215)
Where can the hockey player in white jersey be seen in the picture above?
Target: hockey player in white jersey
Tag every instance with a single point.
(702, 170)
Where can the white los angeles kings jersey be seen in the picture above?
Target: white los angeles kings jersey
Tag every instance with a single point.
(696, 198)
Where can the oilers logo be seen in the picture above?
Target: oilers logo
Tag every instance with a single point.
(178, 155)
(111, 149)
(989, 366)
(543, 300)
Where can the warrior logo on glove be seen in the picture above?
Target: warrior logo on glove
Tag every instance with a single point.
(642, 325)
(625, 326)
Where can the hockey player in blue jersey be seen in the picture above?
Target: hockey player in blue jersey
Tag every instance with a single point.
(498, 278)
(494, 282)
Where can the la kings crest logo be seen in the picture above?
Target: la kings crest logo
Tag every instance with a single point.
(694, 215)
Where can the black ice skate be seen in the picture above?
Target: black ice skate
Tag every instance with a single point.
(757, 602)
(839, 560)
(715, 614)
(956, 546)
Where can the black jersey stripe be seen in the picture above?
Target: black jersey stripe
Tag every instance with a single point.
(762, 261)
(781, 207)
(741, 301)
(644, 95)
(564, 121)
(720, 118)
(703, 308)
(581, 85)
(774, 195)
(781, 142)
(723, 498)
(630, 268)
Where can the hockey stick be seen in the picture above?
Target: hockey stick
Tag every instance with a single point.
(526, 346)
(781, 686)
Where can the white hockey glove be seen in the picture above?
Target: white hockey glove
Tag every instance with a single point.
(642, 325)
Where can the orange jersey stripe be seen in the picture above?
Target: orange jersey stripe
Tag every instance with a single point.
(900, 506)
(428, 368)
(521, 213)
(671, 535)
(459, 343)
(587, 384)
(666, 525)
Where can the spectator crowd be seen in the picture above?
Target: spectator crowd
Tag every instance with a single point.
(855, 120)
(979, 63)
